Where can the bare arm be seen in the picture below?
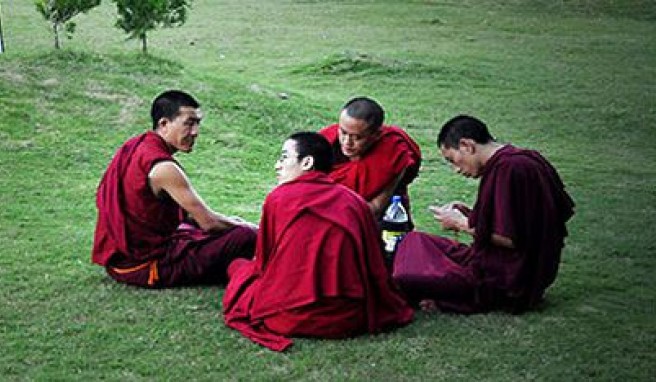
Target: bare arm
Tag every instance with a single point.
(380, 201)
(168, 177)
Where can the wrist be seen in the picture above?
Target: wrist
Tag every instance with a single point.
(464, 226)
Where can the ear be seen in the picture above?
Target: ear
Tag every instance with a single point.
(162, 124)
(467, 145)
(307, 163)
(376, 134)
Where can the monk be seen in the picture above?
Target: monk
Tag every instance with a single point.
(318, 269)
(517, 224)
(153, 228)
(372, 159)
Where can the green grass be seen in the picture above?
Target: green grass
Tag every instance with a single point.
(574, 79)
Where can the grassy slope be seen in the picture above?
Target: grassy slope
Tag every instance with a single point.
(575, 82)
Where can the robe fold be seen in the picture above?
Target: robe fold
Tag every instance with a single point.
(318, 269)
(131, 219)
(393, 153)
(139, 237)
(521, 197)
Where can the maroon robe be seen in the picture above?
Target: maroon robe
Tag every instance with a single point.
(520, 197)
(393, 153)
(139, 237)
(318, 269)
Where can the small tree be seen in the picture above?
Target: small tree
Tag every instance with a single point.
(137, 17)
(59, 13)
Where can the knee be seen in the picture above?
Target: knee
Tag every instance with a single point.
(244, 238)
(248, 235)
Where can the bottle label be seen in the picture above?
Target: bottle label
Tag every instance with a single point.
(391, 238)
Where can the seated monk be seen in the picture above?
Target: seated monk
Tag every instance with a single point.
(517, 224)
(318, 269)
(372, 159)
(143, 198)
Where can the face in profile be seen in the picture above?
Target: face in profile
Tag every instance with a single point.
(463, 160)
(180, 133)
(355, 136)
(289, 166)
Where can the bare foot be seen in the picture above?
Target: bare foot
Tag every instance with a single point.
(428, 305)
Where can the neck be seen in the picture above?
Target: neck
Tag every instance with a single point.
(488, 150)
(170, 148)
(354, 158)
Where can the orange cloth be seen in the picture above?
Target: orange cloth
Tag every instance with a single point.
(132, 221)
(139, 237)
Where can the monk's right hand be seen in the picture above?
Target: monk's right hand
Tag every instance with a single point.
(242, 222)
(250, 225)
(450, 217)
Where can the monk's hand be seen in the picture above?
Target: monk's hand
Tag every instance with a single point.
(462, 207)
(450, 217)
(250, 225)
(458, 205)
(239, 221)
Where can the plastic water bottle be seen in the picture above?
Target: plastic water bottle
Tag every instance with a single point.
(395, 225)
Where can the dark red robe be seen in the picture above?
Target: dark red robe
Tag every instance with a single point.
(520, 197)
(318, 269)
(139, 237)
(393, 153)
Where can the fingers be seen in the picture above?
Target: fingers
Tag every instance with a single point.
(437, 212)
(252, 226)
(446, 207)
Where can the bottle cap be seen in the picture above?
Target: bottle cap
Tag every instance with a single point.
(396, 198)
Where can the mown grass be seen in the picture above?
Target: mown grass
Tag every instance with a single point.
(573, 79)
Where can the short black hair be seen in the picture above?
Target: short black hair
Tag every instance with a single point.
(366, 109)
(463, 126)
(309, 143)
(168, 104)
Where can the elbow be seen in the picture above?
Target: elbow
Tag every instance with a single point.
(503, 241)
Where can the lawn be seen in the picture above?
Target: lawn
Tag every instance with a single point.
(573, 79)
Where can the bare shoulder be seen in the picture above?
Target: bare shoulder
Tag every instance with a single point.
(165, 169)
(165, 175)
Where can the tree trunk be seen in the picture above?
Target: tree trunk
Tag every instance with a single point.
(2, 40)
(144, 44)
(55, 28)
